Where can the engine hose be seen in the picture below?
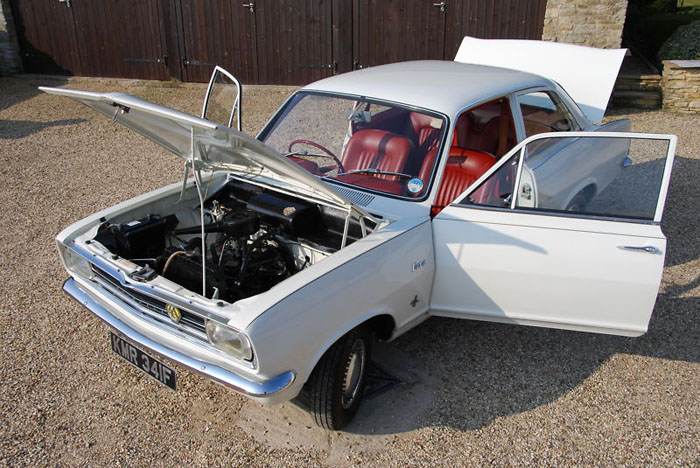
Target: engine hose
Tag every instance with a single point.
(170, 259)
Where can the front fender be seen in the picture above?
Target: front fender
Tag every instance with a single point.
(296, 332)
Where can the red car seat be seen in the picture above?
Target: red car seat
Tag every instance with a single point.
(463, 168)
(377, 149)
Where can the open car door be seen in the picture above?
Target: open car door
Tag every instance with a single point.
(563, 232)
(223, 100)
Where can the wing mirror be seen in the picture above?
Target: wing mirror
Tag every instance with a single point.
(222, 102)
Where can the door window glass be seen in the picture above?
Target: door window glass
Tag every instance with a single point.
(487, 128)
(602, 176)
(544, 112)
(222, 101)
(497, 190)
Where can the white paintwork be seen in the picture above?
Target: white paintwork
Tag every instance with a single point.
(497, 265)
(286, 327)
(443, 86)
(588, 74)
(502, 266)
(505, 265)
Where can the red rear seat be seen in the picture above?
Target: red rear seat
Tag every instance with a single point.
(462, 169)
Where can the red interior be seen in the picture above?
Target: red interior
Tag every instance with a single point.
(377, 149)
(373, 182)
(420, 126)
(310, 166)
(480, 128)
(462, 169)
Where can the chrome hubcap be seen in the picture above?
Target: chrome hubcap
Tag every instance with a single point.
(354, 370)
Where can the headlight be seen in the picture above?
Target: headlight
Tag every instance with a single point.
(73, 262)
(229, 340)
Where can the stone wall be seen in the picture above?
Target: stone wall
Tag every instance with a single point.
(10, 61)
(681, 86)
(593, 23)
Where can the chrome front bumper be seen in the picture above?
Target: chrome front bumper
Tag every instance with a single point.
(263, 390)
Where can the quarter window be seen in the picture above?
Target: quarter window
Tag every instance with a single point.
(544, 112)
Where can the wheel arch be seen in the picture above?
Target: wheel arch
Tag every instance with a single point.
(588, 187)
(381, 323)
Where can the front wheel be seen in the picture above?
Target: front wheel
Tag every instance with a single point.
(336, 385)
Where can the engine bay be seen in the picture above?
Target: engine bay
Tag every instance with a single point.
(254, 239)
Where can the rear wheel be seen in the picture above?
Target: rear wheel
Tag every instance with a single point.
(577, 204)
(334, 389)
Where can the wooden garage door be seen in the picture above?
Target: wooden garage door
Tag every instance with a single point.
(494, 19)
(261, 41)
(264, 41)
(116, 38)
(295, 41)
(386, 31)
(218, 32)
(121, 38)
(46, 33)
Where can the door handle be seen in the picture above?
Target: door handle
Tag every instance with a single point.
(249, 5)
(647, 248)
(67, 2)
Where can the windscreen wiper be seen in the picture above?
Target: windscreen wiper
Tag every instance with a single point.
(373, 171)
(306, 153)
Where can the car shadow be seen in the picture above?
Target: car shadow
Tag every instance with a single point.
(465, 374)
(681, 204)
(16, 89)
(14, 129)
(507, 369)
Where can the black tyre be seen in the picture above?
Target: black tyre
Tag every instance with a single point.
(334, 389)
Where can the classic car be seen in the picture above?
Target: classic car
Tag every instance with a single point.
(371, 201)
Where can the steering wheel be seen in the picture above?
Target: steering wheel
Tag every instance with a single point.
(328, 152)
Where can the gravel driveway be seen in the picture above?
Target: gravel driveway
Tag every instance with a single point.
(473, 394)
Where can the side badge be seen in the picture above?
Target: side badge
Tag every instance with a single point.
(417, 265)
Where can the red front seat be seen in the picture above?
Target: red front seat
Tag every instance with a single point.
(377, 149)
(463, 168)
(423, 129)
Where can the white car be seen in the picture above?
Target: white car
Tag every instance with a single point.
(371, 201)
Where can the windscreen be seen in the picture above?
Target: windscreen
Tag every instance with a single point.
(368, 144)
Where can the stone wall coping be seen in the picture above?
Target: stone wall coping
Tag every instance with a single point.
(684, 63)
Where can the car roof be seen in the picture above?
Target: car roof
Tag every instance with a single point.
(444, 86)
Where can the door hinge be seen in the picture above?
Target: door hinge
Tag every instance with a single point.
(250, 6)
(163, 60)
(356, 65)
(326, 66)
(66, 2)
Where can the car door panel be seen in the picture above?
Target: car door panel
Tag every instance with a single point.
(514, 269)
(545, 266)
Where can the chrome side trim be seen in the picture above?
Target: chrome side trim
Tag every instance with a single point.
(217, 374)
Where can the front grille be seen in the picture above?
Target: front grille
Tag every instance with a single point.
(158, 307)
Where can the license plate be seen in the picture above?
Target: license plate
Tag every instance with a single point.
(143, 361)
